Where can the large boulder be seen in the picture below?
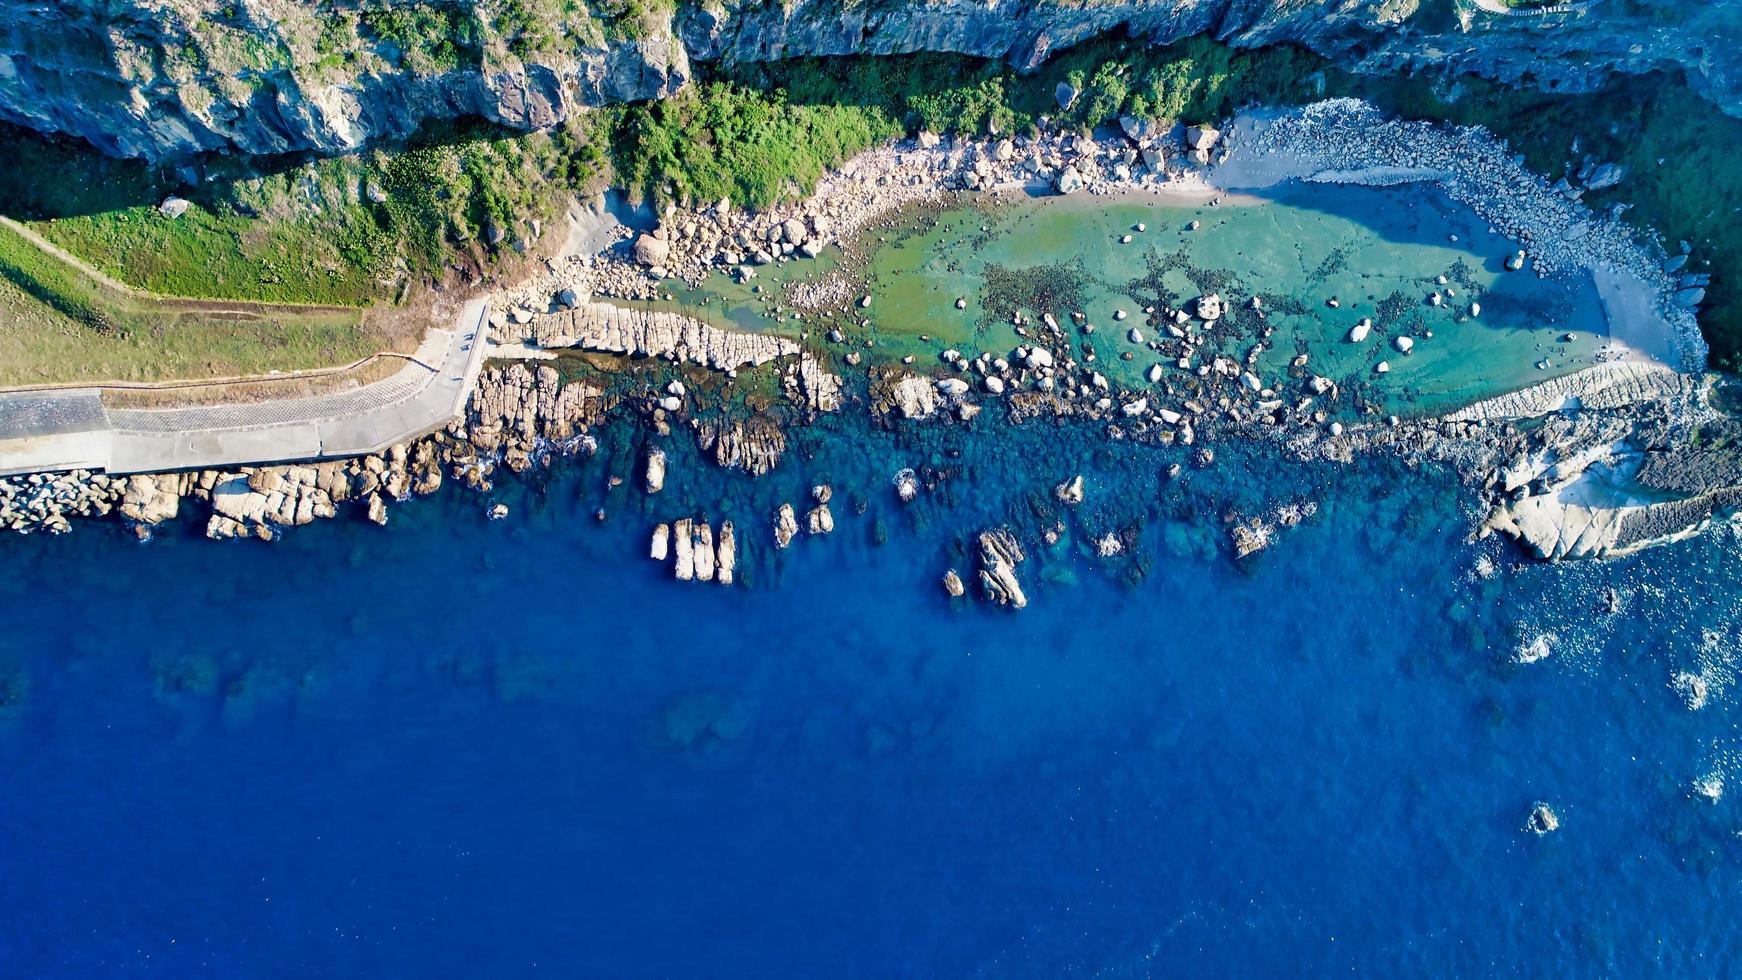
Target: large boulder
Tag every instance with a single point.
(999, 555)
(1200, 140)
(914, 397)
(1202, 137)
(1209, 307)
(651, 251)
(1606, 175)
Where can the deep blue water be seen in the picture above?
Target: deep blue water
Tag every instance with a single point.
(461, 747)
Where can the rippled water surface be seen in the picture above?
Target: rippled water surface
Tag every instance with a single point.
(457, 746)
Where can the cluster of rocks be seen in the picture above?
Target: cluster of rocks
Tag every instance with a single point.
(1192, 385)
(48, 501)
(691, 245)
(695, 553)
(817, 521)
(515, 411)
(514, 414)
(254, 501)
(1254, 534)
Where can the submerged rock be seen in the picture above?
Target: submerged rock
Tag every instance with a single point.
(1542, 820)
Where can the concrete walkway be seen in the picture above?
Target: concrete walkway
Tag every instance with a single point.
(1500, 8)
(72, 429)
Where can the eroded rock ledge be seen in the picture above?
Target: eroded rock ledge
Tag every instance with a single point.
(652, 333)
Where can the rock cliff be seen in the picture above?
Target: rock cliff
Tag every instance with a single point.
(169, 78)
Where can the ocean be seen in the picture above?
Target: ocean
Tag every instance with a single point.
(457, 746)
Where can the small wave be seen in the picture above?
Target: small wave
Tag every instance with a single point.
(1541, 647)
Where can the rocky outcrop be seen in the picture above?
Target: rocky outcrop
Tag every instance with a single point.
(1612, 506)
(785, 525)
(164, 80)
(515, 410)
(646, 333)
(914, 397)
(1611, 385)
(753, 444)
(820, 520)
(152, 499)
(999, 555)
(814, 385)
(255, 503)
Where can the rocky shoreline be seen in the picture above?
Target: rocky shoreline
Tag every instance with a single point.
(1538, 457)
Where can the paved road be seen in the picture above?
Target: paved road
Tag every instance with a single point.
(62, 430)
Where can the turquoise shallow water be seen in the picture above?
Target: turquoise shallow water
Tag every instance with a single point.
(1380, 252)
(457, 746)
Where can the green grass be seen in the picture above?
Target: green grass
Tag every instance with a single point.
(724, 140)
(59, 325)
(304, 232)
(765, 133)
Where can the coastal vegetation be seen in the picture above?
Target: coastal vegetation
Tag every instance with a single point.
(342, 230)
(59, 325)
(469, 201)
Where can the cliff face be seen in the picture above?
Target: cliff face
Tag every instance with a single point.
(163, 78)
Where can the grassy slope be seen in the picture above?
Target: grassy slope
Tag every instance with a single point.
(58, 325)
(346, 231)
